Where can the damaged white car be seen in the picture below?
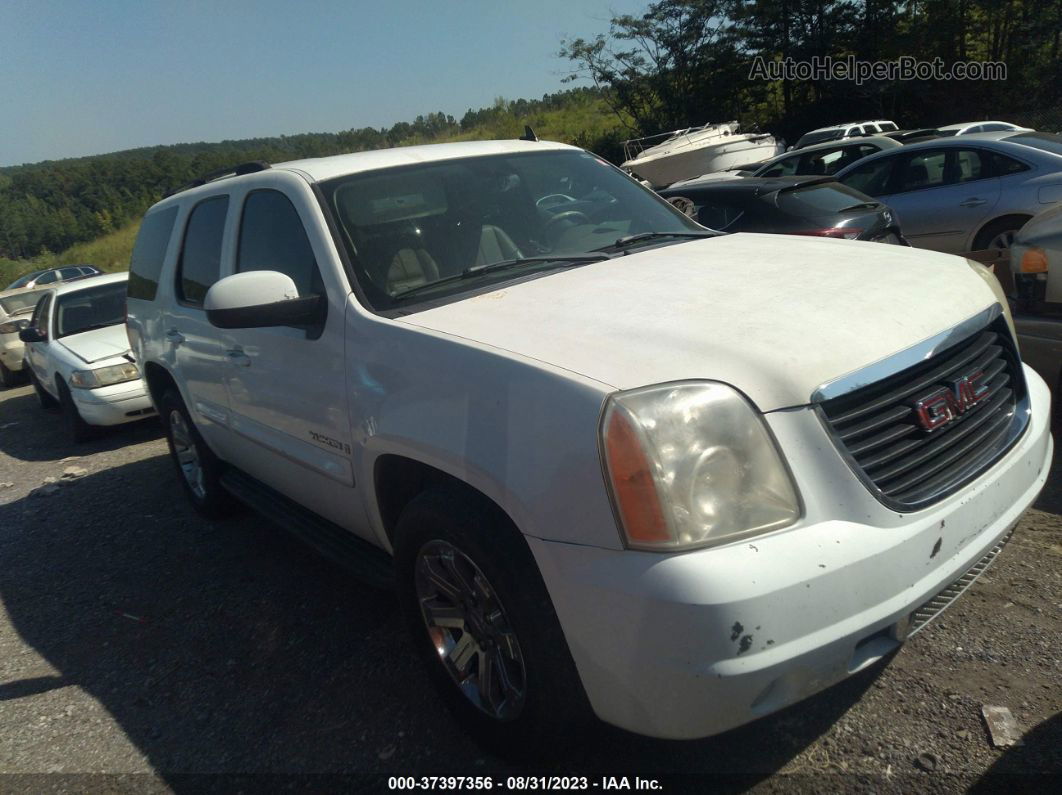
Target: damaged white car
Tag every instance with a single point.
(77, 356)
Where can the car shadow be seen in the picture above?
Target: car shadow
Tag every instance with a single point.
(1029, 767)
(31, 433)
(228, 647)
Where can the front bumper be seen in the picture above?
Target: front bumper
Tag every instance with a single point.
(115, 404)
(689, 645)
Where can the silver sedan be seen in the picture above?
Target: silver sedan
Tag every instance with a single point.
(825, 158)
(967, 193)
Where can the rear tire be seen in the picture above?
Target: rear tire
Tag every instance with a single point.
(500, 614)
(77, 429)
(45, 400)
(198, 469)
(999, 233)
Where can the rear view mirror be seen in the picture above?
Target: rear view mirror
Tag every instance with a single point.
(258, 299)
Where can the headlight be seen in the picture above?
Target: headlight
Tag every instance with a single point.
(692, 464)
(104, 376)
(997, 291)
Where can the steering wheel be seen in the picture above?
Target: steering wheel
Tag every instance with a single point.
(554, 200)
(553, 226)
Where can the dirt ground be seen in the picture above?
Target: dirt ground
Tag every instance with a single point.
(145, 649)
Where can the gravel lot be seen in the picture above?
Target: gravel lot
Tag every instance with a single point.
(145, 645)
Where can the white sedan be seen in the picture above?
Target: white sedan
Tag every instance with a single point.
(77, 355)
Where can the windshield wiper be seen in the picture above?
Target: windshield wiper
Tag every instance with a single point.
(489, 267)
(860, 206)
(628, 240)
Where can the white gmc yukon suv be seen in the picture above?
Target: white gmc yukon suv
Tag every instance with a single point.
(614, 463)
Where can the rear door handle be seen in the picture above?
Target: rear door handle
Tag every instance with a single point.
(973, 201)
(174, 336)
(238, 358)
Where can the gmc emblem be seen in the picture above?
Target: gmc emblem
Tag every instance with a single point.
(943, 405)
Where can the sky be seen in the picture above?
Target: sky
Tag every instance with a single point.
(86, 77)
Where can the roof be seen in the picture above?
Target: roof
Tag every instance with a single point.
(757, 186)
(322, 168)
(963, 124)
(845, 124)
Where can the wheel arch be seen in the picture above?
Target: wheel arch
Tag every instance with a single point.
(397, 479)
(1025, 218)
(158, 380)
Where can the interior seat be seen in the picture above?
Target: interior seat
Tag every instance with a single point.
(409, 268)
(495, 245)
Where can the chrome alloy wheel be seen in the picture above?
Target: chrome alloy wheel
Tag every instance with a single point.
(187, 455)
(470, 631)
(1003, 240)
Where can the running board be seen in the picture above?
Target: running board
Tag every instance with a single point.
(369, 564)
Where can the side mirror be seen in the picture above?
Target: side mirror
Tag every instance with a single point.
(32, 334)
(259, 299)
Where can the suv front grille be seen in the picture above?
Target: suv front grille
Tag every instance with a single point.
(883, 434)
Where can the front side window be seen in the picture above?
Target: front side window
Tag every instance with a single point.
(200, 264)
(921, 170)
(783, 168)
(42, 313)
(870, 178)
(824, 162)
(91, 308)
(272, 238)
(427, 231)
(48, 278)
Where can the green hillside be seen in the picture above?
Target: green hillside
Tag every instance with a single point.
(86, 210)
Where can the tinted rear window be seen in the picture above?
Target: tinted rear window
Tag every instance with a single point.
(819, 199)
(1047, 142)
(149, 252)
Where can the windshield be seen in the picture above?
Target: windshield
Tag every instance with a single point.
(92, 308)
(409, 228)
(23, 302)
(22, 281)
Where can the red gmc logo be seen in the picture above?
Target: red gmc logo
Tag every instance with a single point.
(943, 405)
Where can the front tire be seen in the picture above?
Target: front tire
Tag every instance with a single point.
(46, 401)
(198, 468)
(484, 625)
(77, 429)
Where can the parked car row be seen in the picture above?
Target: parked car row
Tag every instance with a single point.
(617, 465)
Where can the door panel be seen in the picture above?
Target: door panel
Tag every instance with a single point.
(287, 386)
(940, 196)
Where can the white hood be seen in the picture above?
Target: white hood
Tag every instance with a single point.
(774, 315)
(101, 343)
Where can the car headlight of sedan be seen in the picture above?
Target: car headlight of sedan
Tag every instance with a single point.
(692, 464)
(104, 376)
(997, 290)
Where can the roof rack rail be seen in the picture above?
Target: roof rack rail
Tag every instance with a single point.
(251, 167)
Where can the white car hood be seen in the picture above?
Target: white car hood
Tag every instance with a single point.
(98, 344)
(774, 315)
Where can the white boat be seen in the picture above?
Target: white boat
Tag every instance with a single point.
(684, 154)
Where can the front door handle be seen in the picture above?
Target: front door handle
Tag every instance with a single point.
(973, 201)
(174, 336)
(238, 358)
